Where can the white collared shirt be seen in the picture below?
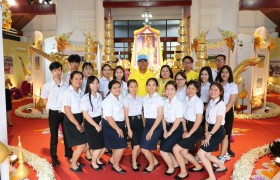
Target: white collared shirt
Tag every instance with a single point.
(66, 77)
(95, 110)
(72, 98)
(193, 106)
(204, 92)
(134, 105)
(181, 95)
(124, 89)
(173, 110)
(112, 106)
(84, 83)
(104, 86)
(151, 105)
(214, 74)
(53, 93)
(229, 89)
(213, 110)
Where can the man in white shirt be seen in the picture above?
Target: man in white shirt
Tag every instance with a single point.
(74, 62)
(220, 62)
(51, 94)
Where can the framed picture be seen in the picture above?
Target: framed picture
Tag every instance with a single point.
(8, 65)
(37, 62)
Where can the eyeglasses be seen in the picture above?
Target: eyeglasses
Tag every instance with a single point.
(180, 79)
(185, 63)
(220, 61)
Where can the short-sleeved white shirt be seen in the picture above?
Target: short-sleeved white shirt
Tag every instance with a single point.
(151, 105)
(84, 83)
(229, 89)
(72, 98)
(205, 93)
(104, 85)
(134, 105)
(193, 106)
(172, 109)
(53, 93)
(66, 77)
(181, 95)
(112, 106)
(213, 110)
(95, 110)
(124, 89)
(214, 74)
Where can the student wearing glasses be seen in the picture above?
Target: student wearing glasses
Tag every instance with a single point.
(180, 79)
(220, 62)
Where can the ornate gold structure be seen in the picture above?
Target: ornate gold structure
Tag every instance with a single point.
(4, 152)
(91, 48)
(109, 50)
(62, 41)
(6, 15)
(38, 39)
(200, 47)
(182, 49)
(22, 170)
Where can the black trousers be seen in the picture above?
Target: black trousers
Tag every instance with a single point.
(56, 118)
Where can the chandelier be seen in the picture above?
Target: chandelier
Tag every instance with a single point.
(147, 15)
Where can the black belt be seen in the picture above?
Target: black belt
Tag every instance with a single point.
(135, 117)
(55, 111)
(169, 124)
(190, 122)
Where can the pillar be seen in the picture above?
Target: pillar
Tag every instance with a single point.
(64, 16)
(195, 19)
(99, 20)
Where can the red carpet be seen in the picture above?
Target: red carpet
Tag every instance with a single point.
(259, 133)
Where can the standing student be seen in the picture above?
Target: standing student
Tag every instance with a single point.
(106, 71)
(225, 77)
(188, 64)
(220, 62)
(113, 125)
(51, 94)
(193, 115)
(134, 120)
(91, 108)
(166, 75)
(153, 113)
(172, 126)
(180, 79)
(87, 70)
(8, 94)
(214, 130)
(118, 74)
(205, 80)
(73, 119)
(73, 62)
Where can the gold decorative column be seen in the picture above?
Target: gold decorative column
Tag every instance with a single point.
(200, 48)
(91, 47)
(109, 50)
(182, 49)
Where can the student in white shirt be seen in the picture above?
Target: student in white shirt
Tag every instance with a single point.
(214, 130)
(220, 62)
(51, 94)
(87, 70)
(153, 114)
(172, 126)
(92, 110)
(134, 120)
(205, 80)
(73, 119)
(230, 95)
(193, 110)
(118, 74)
(74, 63)
(181, 79)
(113, 125)
(106, 71)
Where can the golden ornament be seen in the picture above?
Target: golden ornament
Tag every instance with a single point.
(4, 152)
(243, 93)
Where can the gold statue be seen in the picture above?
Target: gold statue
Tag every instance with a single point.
(38, 39)
(62, 41)
(22, 170)
(6, 15)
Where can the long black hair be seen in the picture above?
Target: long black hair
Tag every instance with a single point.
(114, 76)
(219, 76)
(220, 86)
(196, 84)
(208, 69)
(87, 90)
(111, 83)
(169, 69)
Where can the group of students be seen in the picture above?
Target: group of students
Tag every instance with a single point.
(98, 114)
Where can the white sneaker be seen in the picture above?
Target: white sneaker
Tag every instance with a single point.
(223, 159)
(197, 159)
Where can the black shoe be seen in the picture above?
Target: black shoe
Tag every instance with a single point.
(96, 169)
(168, 174)
(179, 178)
(195, 170)
(101, 164)
(78, 170)
(108, 152)
(231, 153)
(136, 163)
(218, 171)
(156, 165)
(120, 172)
(135, 170)
(148, 171)
(177, 167)
(89, 159)
(110, 163)
(68, 156)
(81, 164)
(55, 163)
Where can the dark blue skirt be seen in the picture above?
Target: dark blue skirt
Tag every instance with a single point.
(167, 144)
(215, 139)
(94, 138)
(151, 144)
(111, 137)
